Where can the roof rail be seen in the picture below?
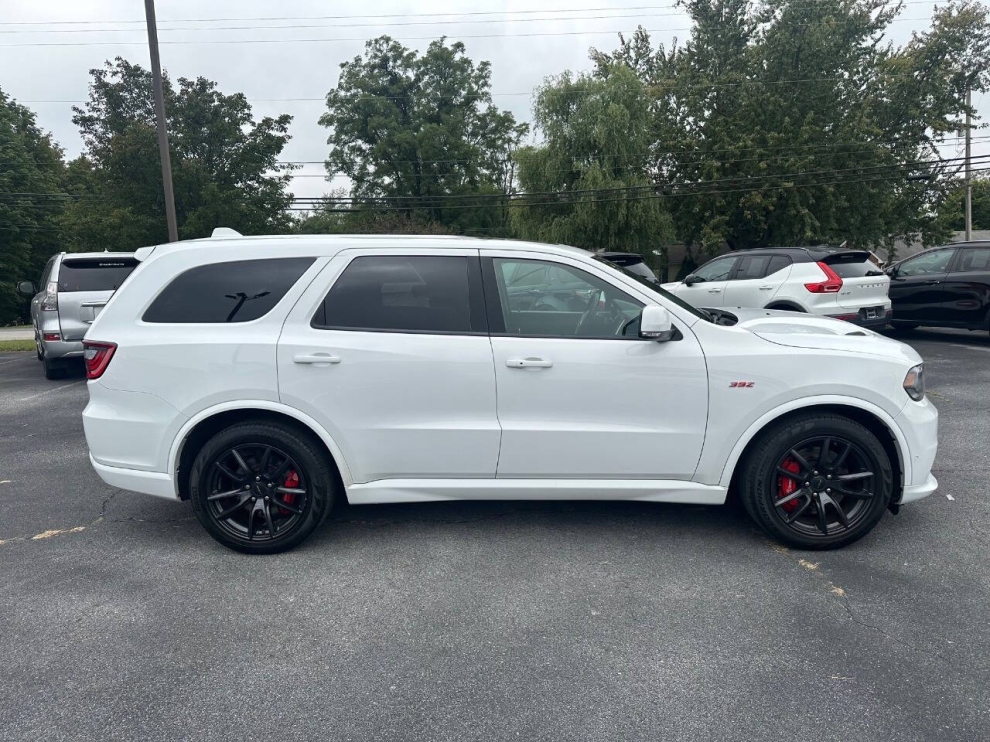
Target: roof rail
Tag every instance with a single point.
(225, 232)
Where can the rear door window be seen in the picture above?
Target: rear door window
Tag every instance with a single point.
(751, 266)
(437, 294)
(239, 291)
(102, 274)
(973, 260)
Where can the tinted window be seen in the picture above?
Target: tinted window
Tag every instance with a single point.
(570, 303)
(852, 266)
(406, 294)
(717, 270)
(227, 292)
(750, 267)
(974, 259)
(936, 261)
(105, 274)
(642, 270)
(778, 263)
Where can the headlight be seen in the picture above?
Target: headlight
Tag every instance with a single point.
(914, 383)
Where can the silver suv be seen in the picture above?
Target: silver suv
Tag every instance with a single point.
(73, 290)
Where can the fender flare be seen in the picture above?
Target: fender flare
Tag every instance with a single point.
(257, 404)
(767, 418)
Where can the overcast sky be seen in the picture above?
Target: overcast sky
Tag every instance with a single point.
(525, 42)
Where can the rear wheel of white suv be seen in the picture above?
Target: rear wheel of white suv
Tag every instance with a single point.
(261, 487)
(817, 481)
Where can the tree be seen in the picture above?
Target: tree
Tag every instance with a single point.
(792, 122)
(420, 134)
(589, 184)
(952, 214)
(30, 173)
(225, 165)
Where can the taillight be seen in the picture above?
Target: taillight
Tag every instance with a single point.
(51, 337)
(50, 303)
(97, 357)
(830, 285)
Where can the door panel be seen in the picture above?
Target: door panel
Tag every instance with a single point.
(967, 288)
(605, 409)
(399, 404)
(917, 288)
(597, 402)
(755, 280)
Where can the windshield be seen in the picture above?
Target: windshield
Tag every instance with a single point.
(103, 274)
(656, 289)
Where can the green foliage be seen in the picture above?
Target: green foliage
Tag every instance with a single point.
(952, 212)
(30, 170)
(222, 163)
(791, 122)
(416, 131)
(597, 135)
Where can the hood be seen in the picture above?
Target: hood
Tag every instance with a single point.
(809, 331)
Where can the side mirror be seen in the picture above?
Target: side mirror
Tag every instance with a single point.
(26, 288)
(655, 324)
(891, 271)
(692, 280)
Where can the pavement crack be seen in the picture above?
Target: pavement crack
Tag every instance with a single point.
(104, 506)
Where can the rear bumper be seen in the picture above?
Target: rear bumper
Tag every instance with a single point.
(62, 349)
(859, 318)
(148, 482)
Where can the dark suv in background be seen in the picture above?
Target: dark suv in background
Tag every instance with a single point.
(943, 287)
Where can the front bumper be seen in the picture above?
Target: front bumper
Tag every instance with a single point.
(918, 422)
(919, 491)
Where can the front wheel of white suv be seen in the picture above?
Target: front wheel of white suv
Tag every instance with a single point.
(817, 481)
(261, 487)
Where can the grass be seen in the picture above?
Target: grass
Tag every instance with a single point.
(8, 345)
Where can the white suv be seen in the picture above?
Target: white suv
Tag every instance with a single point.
(263, 378)
(830, 282)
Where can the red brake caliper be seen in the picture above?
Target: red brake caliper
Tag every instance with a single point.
(292, 481)
(787, 486)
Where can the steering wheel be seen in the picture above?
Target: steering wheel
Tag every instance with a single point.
(589, 311)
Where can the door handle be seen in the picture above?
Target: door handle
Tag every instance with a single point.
(316, 359)
(714, 291)
(528, 363)
(931, 283)
(765, 288)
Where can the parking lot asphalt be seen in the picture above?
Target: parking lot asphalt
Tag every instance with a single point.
(121, 619)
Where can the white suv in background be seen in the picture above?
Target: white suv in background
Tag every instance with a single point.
(263, 378)
(831, 282)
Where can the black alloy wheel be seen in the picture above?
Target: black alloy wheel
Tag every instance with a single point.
(260, 487)
(817, 481)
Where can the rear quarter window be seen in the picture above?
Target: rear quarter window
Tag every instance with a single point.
(103, 274)
(238, 291)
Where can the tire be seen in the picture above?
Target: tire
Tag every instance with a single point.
(255, 524)
(54, 369)
(855, 462)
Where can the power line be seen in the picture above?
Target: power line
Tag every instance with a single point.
(335, 40)
(376, 24)
(487, 94)
(381, 15)
(653, 196)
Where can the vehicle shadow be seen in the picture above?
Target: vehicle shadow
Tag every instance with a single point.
(933, 334)
(583, 518)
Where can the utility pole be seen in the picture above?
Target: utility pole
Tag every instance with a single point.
(156, 71)
(969, 172)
